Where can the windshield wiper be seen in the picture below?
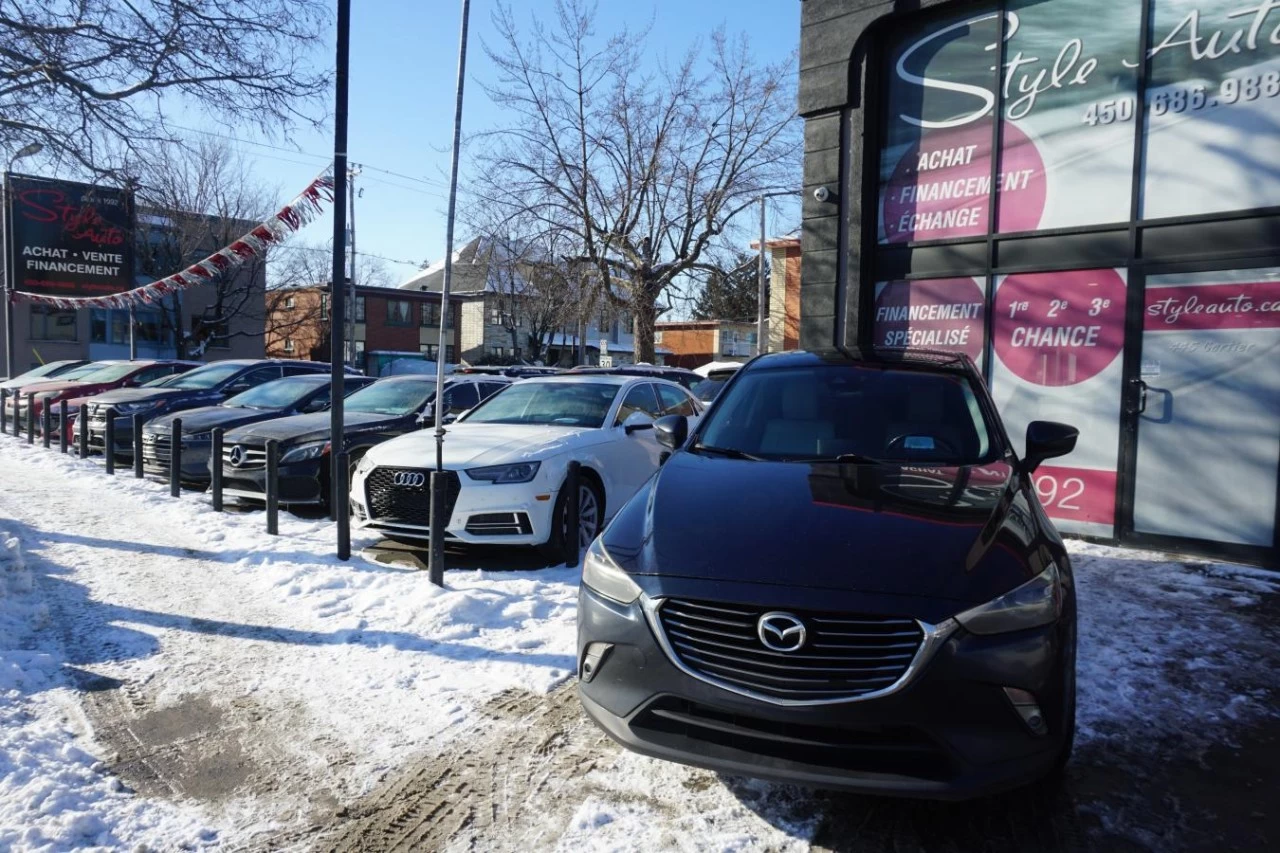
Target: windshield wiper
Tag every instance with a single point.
(728, 452)
(842, 458)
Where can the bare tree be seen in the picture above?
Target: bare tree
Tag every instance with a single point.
(90, 79)
(534, 288)
(193, 201)
(642, 166)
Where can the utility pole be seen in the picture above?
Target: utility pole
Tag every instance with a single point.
(350, 354)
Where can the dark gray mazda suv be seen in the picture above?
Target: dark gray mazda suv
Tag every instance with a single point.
(843, 578)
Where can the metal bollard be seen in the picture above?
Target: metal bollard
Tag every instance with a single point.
(175, 458)
(137, 446)
(109, 441)
(435, 558)
(341, 496)
(31, 417)
(215, 469)
(46, 424)
(273, 487)
(572, 514)
(4, 410)
(82, 420)
(62, 426)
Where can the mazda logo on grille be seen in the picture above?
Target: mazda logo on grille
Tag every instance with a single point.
(781, 632)
(236, 457)
(409, 479)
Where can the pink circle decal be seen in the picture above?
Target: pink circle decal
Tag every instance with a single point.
(942, 186)
(943, 314)
(1060, 328)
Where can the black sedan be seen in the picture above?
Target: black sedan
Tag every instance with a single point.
(389, 407)
(203, 386)
(293, 395)
(842, 579)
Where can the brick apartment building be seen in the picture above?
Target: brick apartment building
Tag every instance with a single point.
(389, 324)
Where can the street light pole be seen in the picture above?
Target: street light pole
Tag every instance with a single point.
(350, 353)
(339, 503)
(762, 298)
(6, 268)
(436, 557)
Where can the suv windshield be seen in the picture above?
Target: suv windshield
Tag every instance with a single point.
(206, 377)
(112, 372)
(277, 394)
(401, 397)
(583, 404)
(851, 413)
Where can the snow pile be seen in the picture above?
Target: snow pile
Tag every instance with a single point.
(1169, 650)
(54, 796)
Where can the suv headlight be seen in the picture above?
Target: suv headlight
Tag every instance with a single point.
(602, 575)
(303, 452)
(1037, 602)
(134, 408)
(521, 472)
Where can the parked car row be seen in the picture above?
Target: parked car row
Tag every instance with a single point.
(837, 574)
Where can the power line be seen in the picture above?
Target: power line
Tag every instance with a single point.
(287, 247)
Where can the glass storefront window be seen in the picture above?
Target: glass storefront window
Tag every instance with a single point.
(52, 324)
(940, 314)
(1213, 106)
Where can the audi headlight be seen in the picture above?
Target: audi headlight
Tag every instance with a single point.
(521, 472)
(602, 575)
(1037, 602)
(303, 452)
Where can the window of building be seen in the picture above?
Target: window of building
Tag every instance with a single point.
(52, 324)
(399, 312)
(430, 314)
(429, 351)
(288, 302)
(218, 333)
(288, 345)
(451, 354)
(324, 306)
(498, 352)
(359, 309)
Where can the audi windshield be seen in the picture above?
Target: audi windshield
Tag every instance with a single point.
(580, 404)
(851, 413)
(392, 398)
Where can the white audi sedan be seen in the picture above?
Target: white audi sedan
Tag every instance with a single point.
(506, 461)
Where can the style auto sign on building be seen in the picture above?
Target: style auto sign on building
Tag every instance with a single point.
(69, 239)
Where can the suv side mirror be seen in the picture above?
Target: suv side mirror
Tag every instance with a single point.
(671, 430)
(1046, 440)
(315, 406)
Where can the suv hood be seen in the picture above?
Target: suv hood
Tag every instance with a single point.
(297, 429)
(471, 445)
(875, 529)
(133, 395)
(206, 418)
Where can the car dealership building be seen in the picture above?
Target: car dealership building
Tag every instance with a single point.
(1108, 252)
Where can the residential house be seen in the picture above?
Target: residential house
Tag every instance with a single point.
(694, 343)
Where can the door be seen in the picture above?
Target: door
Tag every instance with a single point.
(629, 460)
(1208, 408)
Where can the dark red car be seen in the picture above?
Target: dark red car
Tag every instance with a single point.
(109, 376)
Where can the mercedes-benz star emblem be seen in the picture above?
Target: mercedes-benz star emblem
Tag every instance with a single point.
(409, 479)
(236, 457)
(781, 632)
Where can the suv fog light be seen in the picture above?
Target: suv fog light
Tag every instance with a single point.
(1024, 702)
(592, 659)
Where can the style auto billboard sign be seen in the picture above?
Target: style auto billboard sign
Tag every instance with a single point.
(69, 239)
(1063, 78)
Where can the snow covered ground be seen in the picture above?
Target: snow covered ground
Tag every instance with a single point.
(252, 690)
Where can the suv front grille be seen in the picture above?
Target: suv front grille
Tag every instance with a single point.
(251, 458)
(411, 504)
(156, 447)
(844, 656)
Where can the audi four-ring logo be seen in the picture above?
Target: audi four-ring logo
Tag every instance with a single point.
(409, 479)
(781, 632)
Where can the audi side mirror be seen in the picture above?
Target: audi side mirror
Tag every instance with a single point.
(671, 430)
(637, 421)
(1046, 440)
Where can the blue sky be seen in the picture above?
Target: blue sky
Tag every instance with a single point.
(403, 68)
